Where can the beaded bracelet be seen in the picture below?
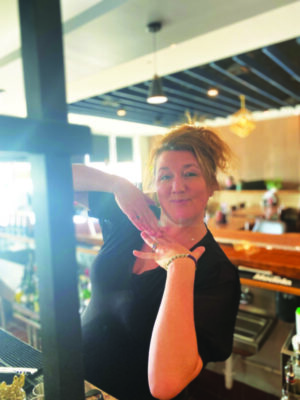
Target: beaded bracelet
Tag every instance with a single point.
(166, 266)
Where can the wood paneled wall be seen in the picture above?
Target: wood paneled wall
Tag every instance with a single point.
(271, 151)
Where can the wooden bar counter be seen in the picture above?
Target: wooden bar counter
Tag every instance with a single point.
(279, 254)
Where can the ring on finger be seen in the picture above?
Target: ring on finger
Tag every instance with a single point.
(154, 246)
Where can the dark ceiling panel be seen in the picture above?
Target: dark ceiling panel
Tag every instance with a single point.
(265, 73)
(268, 77)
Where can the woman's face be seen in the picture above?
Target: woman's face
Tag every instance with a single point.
(181, 188)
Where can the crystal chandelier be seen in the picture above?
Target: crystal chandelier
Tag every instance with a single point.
(242, 122)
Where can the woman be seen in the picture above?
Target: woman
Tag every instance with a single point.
(164, 302)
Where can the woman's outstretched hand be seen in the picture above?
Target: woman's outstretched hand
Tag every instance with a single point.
(164, 248)
(135, 204)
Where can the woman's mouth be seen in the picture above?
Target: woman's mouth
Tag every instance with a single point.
(179, 201)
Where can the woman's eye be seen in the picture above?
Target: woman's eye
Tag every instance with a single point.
(190, 173)
(164, 177)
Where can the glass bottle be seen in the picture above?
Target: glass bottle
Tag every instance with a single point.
(29, 285)
(291, 379)
(284, 394)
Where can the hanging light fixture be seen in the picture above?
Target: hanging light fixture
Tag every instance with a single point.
(156, 94)
(242, 121)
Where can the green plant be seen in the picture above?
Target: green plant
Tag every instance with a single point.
(273, 184)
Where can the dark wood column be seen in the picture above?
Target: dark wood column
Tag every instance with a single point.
(48, 141)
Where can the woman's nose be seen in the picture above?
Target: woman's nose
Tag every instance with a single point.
(177, 184)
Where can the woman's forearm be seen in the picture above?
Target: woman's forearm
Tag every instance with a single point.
(174, 360)
(87, 179)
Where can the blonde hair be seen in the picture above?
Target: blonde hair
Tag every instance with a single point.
(211, 152)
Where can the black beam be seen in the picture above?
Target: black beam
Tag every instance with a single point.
(38, 136)
(267, 75)
(42, 52)
(57, 269)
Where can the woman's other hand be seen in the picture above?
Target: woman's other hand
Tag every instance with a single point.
(135, 204)
(164, 248)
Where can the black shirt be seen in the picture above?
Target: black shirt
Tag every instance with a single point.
(118, 322)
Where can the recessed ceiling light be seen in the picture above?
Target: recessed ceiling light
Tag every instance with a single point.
(121, 112)
(212, 92)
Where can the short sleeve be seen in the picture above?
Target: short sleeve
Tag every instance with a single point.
(216, 302)
(103, 205)
(215, 315)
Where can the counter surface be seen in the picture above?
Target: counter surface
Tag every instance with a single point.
(279, 254)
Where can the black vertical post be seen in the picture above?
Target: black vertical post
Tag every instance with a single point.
(43, 64)
(43, 67)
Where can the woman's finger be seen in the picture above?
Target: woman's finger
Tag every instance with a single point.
(148, 238)
(144, 255)
(144, 220)
(143, 226)
(153, 240)
(197, 253)
(150, 223)
(136, 222)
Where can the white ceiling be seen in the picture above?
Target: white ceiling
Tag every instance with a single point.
(107, 46)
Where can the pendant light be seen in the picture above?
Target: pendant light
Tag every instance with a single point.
(156, 94)
(242, 121)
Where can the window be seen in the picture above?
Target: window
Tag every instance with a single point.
(124, 149)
